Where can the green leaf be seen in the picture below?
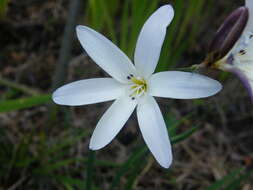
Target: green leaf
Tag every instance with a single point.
(3, 7)
(181, 32)
(95, 14)
(183, 136)
(109, 21)
(22, 103)
(124, 27)
(235, 184)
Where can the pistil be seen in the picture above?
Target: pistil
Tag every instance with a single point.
(138, 86)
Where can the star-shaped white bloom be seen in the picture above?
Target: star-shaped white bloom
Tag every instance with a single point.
(239, 59)
(134, 85)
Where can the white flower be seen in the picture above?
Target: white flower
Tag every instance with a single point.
(239, 59)
(134, 85)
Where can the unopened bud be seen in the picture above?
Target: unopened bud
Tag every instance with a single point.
(227, 35)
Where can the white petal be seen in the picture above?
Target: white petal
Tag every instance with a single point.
(108, 56)
(249, 5)
(154, 130)
(88, 92)
(112, 122)
(150, 40)
(182, 85)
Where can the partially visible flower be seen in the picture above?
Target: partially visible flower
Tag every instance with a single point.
(232, 48)
(134, 85)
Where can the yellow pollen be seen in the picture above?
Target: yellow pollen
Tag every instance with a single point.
(139, 86)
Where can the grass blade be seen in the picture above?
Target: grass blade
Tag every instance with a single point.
(22, 103)
(237, 182)
(225, 180)
(3, 7)
(178, 138)
(90, 170)
(124, 27)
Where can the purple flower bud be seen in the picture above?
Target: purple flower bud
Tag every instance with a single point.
(227, 35)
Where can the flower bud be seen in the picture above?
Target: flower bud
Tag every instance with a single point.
(227, 35)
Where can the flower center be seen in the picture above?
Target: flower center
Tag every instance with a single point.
(138, 86)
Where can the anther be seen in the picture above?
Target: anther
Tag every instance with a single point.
(131, 75)
(242, 52)
(128, 77)
(133, 98)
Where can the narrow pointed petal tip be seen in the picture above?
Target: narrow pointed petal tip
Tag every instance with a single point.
(182, 85)
(105, 54)
(154, 130)
(88, 91)
(150, 40)
(219, 86)
(112, 122)
(94, 147)
(166, 164)
(214, 87)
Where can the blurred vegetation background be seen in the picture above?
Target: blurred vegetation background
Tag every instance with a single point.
(44, 146)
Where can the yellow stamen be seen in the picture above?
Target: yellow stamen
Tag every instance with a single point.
(139, 86)
(134, 86)
(138, 81)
